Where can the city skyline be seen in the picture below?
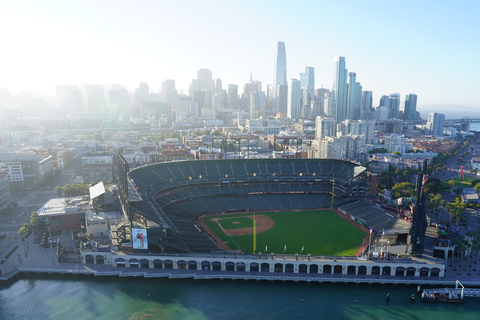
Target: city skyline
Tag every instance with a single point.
(52, 43)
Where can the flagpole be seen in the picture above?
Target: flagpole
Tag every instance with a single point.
(369, 245)
(254, 233)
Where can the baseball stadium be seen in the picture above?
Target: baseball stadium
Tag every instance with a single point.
(227, 204)
(265, 215)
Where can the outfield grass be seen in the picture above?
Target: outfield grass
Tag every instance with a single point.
(319, 232)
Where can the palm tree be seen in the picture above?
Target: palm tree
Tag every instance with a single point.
(34, 220)
(23, 231)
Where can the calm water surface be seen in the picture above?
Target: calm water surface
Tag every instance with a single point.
(86, 297)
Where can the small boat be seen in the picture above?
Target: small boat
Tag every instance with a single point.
(387, 297)
(442, 295)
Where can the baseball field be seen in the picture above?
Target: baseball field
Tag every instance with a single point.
(316, 232)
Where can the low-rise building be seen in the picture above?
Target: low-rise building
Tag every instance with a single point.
(5, 195)
(469, 195)
(63, 214)
(26, 170)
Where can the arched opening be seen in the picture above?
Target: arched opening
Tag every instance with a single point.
(411, 271)
(192, 265)
(181, 264)
(254, 267)
(144, 263)
(386, 271)
(435, 272)
(424, 272)
(375, 271)
(313, 268)
(217, 266)
(168, 264)
(327, 269)
(89, 259)
(99, 259)
(400, 271)
(351, 270)
(278, 267)
(265, 267)
(362, 270)
(230, 266)
(288, 268)
(133, 263)
(337, 269)
(240, 266)
(205, 265)
(302, 268)
(120, 262)
(157, 264)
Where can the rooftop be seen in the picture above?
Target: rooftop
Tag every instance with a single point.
(60, 206)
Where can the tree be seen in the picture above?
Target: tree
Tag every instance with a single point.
(34, 218)
(23, 231)
(73, 189)
(456, 209)
(474, 182)
(387, 179)
(435, 201)
(451, 183)
(404, 189)
(433, 185)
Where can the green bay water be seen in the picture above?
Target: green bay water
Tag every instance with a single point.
(88, 297)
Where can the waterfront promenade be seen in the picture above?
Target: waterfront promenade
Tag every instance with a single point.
(40, 260)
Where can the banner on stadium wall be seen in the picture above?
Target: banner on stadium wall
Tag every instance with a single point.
(139, 239)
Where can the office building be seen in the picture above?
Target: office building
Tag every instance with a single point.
(95, 97)
(307, 82)
(436, 123)
(294, 99)
(169, 93)
(393, 105)
(353, 97)
(325, 127)
(280, 69)
(410, 111)
(232, 96)
(366, 105)
(338, 98)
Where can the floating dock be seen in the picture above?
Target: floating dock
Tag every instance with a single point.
(442, 295)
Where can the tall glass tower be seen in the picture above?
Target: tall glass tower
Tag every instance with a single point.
(410, 112)
(339, 90)
(280, 69)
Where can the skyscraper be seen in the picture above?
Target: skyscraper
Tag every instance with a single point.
(96, 97)
(294, 99)
(169, 93)
(435, 124)
(307, 82)
(410, 112)
(279, 69)
(367, 103)
(232, 96)
(339, 90)
(394, 106)
(353, 102)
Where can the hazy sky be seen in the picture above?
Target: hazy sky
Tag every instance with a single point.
(430, 48)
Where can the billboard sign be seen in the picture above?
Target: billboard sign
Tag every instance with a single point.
(139, 239)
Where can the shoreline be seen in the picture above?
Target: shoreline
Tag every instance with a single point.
(108, 271)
